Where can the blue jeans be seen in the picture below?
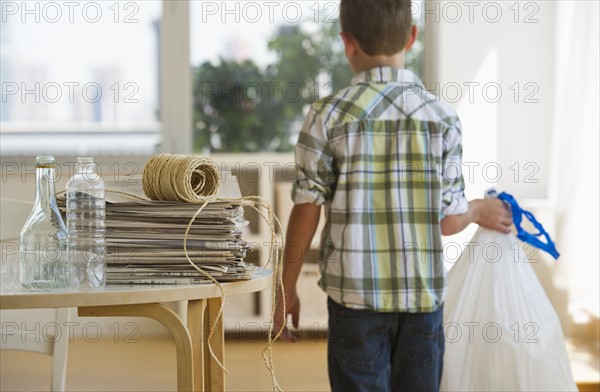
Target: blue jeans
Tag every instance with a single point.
(372, 351)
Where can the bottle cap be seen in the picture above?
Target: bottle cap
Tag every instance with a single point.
(85, 160)
(44, 160)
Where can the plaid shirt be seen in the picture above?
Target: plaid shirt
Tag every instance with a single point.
(383, 156)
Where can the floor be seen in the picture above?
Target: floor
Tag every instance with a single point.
(148, 364)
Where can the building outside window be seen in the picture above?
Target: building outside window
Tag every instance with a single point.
(80, 77)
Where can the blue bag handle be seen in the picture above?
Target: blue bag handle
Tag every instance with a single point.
(530, 238)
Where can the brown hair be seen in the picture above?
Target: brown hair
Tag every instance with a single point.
(379, 26)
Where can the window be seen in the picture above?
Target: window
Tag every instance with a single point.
(258, 65)
(80, 77)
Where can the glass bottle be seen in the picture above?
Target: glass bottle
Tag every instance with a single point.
(86, 226)
(44, 236)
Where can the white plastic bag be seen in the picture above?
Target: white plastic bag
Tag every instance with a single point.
(502, 333)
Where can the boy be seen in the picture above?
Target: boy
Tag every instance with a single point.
(379, 156)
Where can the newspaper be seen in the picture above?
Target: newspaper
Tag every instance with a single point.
(145, 238)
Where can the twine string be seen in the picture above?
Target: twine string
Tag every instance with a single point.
(196, 179)
(180, 178)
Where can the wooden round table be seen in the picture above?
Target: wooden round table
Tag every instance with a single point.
(196, 370)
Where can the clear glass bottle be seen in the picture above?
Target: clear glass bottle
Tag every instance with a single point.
(44, 236)
(86, 226)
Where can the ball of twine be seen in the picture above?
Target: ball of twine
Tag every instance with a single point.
(195, 179)
(180, 178)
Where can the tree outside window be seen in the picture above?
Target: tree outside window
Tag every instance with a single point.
(241, 106)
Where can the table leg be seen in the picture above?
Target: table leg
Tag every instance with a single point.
(195, 325)
(168, 318)
(214, 375)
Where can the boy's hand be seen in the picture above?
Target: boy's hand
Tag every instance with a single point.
(292, 304)
(489, 213)
(493, 214)
(302, 225)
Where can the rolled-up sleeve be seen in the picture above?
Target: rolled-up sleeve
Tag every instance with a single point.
(454, 201)
(316, 177)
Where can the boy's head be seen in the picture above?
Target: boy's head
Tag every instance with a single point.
(379, 27)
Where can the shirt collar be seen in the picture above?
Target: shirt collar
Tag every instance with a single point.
(386, 74)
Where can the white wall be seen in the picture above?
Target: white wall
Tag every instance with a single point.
(481, 48)
(480, 42)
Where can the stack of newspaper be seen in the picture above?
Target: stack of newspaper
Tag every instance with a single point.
(145, 240)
